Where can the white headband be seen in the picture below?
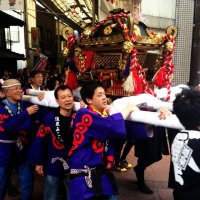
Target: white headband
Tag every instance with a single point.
(8, 86)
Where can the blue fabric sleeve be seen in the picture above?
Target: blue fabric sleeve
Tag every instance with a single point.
(15, 123)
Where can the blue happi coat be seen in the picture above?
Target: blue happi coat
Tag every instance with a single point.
(47, 147)
(15, 135)
(90, 135)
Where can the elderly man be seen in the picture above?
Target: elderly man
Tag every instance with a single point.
(15, 129)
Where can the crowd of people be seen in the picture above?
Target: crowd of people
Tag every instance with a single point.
(77, 149)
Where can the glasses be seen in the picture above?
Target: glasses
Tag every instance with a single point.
(15, 88)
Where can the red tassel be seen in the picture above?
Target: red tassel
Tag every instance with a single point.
(159, 78)
(137, 82)
(71, 80)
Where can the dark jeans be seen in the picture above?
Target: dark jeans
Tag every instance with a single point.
(52, 187)
(25, 174)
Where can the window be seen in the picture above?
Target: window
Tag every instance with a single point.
(12, 34)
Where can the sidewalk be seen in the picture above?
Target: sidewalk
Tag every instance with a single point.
(156, 177)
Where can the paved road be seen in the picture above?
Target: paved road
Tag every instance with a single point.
(156, 177)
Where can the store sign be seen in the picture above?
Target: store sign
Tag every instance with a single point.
(41, 62)
(11, 4)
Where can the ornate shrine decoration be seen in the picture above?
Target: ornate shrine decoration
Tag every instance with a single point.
(119, 37)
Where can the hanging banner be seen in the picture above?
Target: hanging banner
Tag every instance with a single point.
(11, 4)
(35, 37)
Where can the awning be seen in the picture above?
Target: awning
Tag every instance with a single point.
(11, 55)
(8, 20)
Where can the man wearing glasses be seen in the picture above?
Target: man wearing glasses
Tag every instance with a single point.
(15, 128)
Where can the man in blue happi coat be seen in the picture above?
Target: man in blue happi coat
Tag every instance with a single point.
(15, 129)
(53, 142)
(95, 125)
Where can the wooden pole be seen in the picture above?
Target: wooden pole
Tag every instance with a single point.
(93, 12)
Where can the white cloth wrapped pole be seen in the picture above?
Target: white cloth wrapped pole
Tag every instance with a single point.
(49, 98)
(148, 117)
(44, 102)
(35, 100)
(148, 100)
(162, 93)
(119, 104)
(152, 118)
(34, 92)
